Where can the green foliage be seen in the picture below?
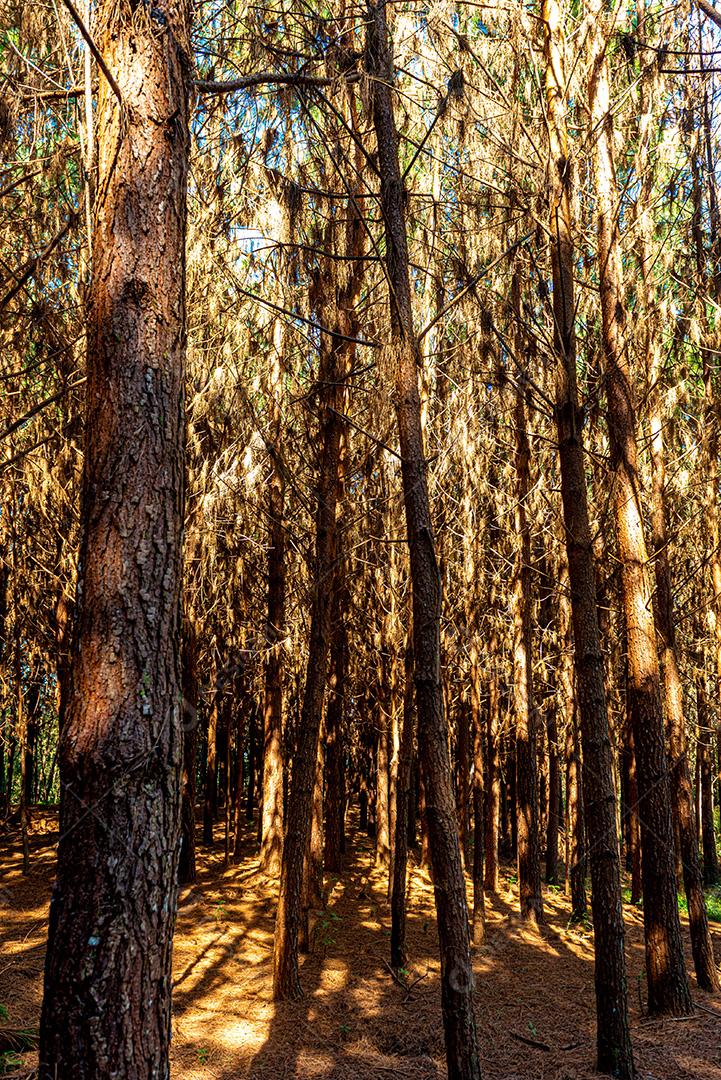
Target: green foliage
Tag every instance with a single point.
(713, 902)
(326, 926)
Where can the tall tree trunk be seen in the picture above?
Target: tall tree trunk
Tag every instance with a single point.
(680, 773)
(106, 1007)
(529, 856)
(335, 359)
(449, 884)
(668, 988)
(271, 845)
(613, 1038)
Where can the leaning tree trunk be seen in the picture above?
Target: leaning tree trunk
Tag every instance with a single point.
(402, 354)
(613, 1038)
(106, 1008)
(668, 987)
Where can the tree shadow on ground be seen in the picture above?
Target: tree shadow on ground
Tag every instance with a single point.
(354, 1020)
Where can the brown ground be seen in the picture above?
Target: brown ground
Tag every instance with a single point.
(355, 1022)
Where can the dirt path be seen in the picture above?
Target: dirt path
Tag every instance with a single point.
(355, 1021)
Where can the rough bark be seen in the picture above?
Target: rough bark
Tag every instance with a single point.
(613, 1039)
(106, 1007)
(449, 884)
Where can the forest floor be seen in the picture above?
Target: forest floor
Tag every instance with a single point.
(355, 1021)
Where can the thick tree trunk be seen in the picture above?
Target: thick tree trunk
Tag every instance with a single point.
(449, 884)
(613, 1038)
(668, 988)
(106, 1009)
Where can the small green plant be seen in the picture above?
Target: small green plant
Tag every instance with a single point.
(324, 930)
(9, 1060)
(220, 911)
(202, 1053)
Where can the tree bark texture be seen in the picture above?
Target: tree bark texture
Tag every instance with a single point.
(106, 1007)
